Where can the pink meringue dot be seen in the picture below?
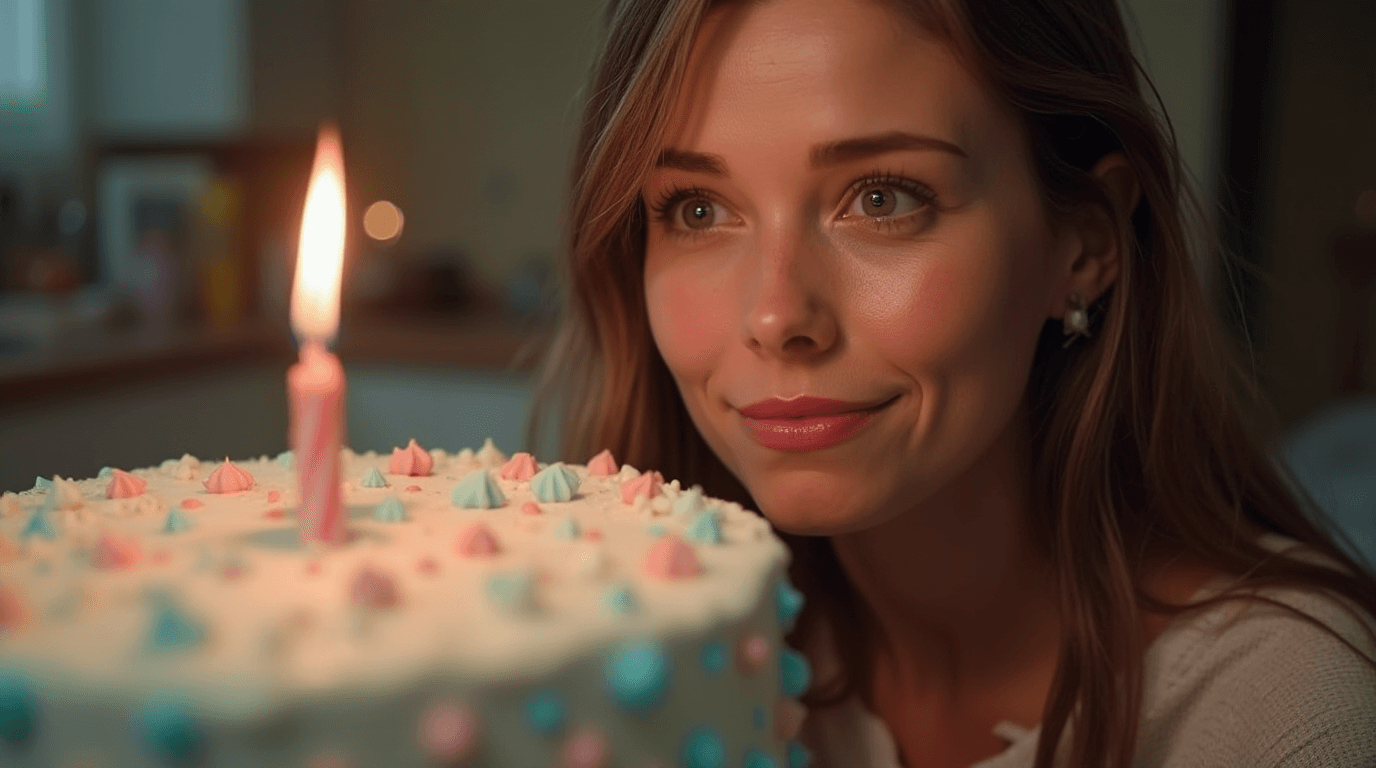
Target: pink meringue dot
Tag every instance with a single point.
(276, 513)
(192, 504)
(413, 488)
(448, 732)
(788, 719)
(274, 496)
(585, 749)
(530, 508)
(593, 534)
(754, 653)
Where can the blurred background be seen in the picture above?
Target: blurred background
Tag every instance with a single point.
(154, 156)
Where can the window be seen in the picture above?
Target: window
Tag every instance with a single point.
(23, 68)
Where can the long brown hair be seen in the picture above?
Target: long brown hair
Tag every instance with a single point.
(1149, 437)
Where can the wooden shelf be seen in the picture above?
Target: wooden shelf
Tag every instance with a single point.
(118, 359)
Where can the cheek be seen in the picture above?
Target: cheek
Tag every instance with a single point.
(690, 314)
(935, 309)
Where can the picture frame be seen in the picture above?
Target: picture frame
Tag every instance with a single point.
(140, 195)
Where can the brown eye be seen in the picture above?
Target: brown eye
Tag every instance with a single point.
(878, 201)
(698, 213)
(886, 201)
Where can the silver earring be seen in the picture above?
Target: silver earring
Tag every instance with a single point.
(1076, 322)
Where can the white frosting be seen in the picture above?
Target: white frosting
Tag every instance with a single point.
(283, 635)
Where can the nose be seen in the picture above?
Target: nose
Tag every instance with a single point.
(791, 314)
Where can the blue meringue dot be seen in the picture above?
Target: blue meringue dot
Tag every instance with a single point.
(170, 730)
(638, 675)
(174, 630)
(713, 658)
(754, 758)
(789, 602)
(16, 710)
(703, 748)
(757, 717)
(798, 756)
(794, 673)
(620, 599)
(545, 712)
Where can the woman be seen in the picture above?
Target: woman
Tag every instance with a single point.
(911, 278)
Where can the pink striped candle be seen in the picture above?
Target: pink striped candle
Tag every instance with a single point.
(315, 385)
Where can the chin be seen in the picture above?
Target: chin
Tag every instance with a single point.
(813, 503)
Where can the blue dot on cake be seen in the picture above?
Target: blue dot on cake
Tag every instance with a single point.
(620, 599)
(703, 748)
(477, 491)
(555, 483)
(170, 729)
(794, 673)
(713, 658)
(789, 602)
(17, 709)
(545, 712)
(755, 758)
(638, 675)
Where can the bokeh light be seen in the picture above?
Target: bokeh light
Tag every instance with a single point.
(383, 221)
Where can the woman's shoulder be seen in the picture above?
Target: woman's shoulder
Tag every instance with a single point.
(1253, 682)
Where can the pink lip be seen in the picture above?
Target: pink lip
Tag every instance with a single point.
(806, 423)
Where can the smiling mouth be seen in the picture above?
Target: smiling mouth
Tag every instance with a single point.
(806, 424)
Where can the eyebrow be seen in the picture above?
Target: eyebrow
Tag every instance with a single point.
(822, 155)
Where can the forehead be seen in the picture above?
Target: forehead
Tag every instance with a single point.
(822, 70)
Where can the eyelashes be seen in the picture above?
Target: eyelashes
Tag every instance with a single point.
(666, 205)
(669, 199)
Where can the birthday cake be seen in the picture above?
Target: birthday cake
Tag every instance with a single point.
(485, 610)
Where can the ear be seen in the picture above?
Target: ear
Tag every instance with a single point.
(1093, 257)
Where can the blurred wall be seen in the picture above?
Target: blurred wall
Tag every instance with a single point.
(464, 114)
(168, 68)
(40, 137)
(1180, 43)
(1322, 155)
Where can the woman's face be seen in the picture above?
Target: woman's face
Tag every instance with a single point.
(847, 263)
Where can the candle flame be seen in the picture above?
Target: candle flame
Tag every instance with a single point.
(320, 256)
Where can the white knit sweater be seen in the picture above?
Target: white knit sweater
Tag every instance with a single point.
(1240, 684)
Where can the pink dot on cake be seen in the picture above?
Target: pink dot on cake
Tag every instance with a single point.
(124, 485)
(602, 465)
(411, 460)
(115, 551)
(520, 467)
(228, 478)
(585, 749)
(671, 558)
(648, 485)
(372, 588)
(449, 732)
(477, 540)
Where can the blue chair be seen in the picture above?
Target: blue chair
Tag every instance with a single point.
(1333, 456)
